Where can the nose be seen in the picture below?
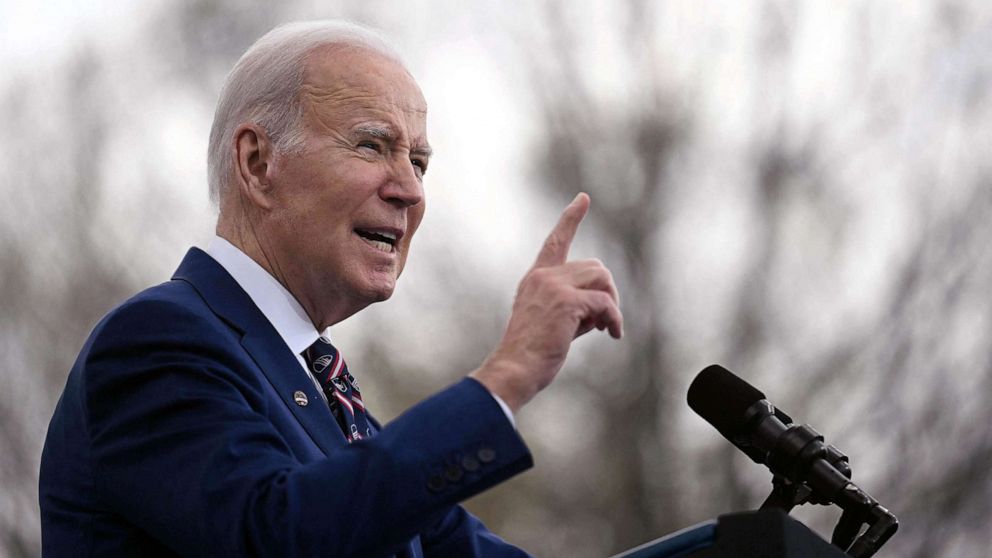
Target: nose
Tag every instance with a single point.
(403, 187)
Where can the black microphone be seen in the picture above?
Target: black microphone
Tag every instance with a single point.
(742, 414)
(805, 468)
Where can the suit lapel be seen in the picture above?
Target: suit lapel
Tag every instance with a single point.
(230, 302)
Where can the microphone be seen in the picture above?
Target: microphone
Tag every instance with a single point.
(742, 414)
(805, 468)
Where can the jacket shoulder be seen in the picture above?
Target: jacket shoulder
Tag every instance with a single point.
(164, 330)
(173, 307)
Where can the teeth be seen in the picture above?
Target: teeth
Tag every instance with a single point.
(382, 241)
(380, 245)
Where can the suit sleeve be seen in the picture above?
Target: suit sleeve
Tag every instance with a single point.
(183, 449)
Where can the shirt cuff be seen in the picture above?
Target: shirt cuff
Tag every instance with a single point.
(506, 409)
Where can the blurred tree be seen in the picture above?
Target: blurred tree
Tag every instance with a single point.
(51, 234)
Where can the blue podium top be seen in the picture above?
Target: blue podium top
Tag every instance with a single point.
(678, 544)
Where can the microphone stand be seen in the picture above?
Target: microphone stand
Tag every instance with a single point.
(823, 475)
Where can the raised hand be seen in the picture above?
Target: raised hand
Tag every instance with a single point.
(557, 300)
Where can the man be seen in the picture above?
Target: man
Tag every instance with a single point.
(210, 416)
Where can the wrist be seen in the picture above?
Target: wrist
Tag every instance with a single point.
(506, 380)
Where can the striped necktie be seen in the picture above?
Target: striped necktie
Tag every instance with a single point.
(327, 365)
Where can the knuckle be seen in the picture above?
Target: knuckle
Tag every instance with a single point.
(553, 242)
(607, 303)
(540, 275)
(604, 277)
(543, 283)
(605, 271)
(559, 294)
(592, 262)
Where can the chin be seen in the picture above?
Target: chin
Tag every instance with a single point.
(372, 285)
(378, 290)
(382, 295)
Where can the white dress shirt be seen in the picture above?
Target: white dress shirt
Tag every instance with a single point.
(279, 306)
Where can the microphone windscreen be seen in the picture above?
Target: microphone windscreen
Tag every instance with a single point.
(722, 398)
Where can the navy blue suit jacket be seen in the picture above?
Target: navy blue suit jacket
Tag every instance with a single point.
(178, 433)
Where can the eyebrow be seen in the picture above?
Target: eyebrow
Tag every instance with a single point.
(387, 132)
(382, 131)
(423, 151)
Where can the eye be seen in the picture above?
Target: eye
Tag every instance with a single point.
(421, 166)
(370, 145)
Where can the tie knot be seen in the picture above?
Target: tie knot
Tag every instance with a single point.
(324, 360)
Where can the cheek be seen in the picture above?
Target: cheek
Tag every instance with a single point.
(414, 218)
(416, 215)
(413, 224)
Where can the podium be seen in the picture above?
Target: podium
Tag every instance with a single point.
(769, 533)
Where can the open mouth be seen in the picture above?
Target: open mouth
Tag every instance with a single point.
(380, 240)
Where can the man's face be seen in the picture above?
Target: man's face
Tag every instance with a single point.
(348, 207)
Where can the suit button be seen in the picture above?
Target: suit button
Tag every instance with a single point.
(470, 463)
(435, 483)
(486, 455)
(453, 473)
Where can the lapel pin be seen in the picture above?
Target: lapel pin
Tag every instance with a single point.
(301, 398)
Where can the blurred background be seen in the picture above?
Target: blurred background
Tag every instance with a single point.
(799, 190)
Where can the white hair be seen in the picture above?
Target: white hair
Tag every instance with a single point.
(263, 88)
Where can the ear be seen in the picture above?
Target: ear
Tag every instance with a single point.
(253, 152)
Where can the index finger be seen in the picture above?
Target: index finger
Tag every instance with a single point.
(555, 248)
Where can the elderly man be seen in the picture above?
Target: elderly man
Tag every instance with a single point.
(212, 415)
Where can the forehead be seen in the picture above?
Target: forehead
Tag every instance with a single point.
(345, 85)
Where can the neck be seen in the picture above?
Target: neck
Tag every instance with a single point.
(244, 234)
(246, 227)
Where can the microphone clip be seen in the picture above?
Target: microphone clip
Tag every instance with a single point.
(808, 471)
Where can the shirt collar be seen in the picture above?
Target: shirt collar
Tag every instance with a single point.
(276, 303)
